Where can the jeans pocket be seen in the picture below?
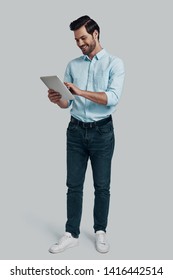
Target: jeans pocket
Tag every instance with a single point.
(72, 127)
(105, 129)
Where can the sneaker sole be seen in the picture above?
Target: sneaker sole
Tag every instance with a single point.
(102, 251)
(62, 250)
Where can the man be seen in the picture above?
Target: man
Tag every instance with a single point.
(96, 80)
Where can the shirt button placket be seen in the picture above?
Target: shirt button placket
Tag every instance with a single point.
(90, 81)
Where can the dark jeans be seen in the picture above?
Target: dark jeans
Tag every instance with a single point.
(96, 143)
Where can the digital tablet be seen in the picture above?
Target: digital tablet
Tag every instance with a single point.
(53, 82)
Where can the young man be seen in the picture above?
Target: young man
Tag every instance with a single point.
(96, 80)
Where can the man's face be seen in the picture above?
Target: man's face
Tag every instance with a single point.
(84, 40)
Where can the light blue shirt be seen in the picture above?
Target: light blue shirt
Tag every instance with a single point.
(104, 73)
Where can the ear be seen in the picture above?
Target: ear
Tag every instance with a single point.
(95, 34)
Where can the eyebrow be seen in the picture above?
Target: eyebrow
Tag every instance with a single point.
(83, 36)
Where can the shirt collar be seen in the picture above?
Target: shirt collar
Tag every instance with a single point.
(97, 56)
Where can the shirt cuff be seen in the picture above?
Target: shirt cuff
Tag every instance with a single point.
(112, 98)
(69, 103)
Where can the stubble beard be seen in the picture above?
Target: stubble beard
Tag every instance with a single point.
(89, 48)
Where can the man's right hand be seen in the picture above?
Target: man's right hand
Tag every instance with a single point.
(54, 96)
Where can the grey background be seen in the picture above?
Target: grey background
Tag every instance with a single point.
(35, 41)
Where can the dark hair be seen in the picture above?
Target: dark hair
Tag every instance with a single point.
(89, 24)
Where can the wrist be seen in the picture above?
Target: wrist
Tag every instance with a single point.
(81, 92)
(59, 102)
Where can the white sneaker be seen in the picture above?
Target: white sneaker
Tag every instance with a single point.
(102, 245)
(65, 242)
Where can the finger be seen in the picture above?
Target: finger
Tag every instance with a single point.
(67, 84)
(52, 94)
(55, 97)
(51, 90)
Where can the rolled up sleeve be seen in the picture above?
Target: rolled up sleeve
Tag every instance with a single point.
(115, 84)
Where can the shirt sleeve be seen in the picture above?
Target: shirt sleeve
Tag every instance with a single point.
(115, 84)
(68, 78)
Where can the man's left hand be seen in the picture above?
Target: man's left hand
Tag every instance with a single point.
(73, 89)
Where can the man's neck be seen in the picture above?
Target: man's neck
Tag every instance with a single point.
(95, 51)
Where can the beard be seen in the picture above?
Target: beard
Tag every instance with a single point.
(88, 48)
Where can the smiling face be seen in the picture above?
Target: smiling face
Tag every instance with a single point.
(86, 42)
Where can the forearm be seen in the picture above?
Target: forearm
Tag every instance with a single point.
(97, 97)
(62, 103)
